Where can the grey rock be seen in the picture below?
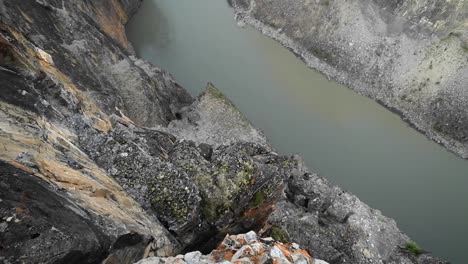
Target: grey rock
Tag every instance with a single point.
(365, 237)
(3, 227)
(192, 257)
(194, 167)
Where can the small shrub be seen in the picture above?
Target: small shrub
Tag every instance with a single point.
(413, 248)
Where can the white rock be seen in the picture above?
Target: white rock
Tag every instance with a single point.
(366, 253)
(299, 259)
(243, 261)
(250, 237)
(276, 252)
(152, 260)
(295, 246)
(193, 257)
(44, 56)
(9, 219)
(244, 251)
(319, 261)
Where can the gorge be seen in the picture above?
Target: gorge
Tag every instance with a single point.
(347, 138)
(106, 158)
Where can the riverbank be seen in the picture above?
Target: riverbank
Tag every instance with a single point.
(100, 163)
(418, 72)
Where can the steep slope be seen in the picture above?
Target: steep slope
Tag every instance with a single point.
(411, 56)
(105, 158)
(75, 108)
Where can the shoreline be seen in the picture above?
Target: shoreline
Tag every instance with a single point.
(331, 73)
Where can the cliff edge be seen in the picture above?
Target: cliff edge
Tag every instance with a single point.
(107, 159)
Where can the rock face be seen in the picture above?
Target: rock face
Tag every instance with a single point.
(411, 56)
(106, 159)
(336, 226)
(76, 108)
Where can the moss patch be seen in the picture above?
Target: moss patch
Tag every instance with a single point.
(166, 199)
(246, 174)
(278, 234)
(258, 198)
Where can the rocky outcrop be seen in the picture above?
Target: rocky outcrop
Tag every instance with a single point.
(105, 158)
(336, 226)
(76, 108)
(246, 249)
(45, 225)
(411, 56)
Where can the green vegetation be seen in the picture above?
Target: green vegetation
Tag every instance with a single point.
(278, 234)
(215, 92)
(258, 198)
(246, 174)
(285, 163)
(166, 199)
(413, 248)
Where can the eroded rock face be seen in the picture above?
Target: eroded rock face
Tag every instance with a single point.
(75, 110)
(195, 189)
(35, 214)
(105, 158)
(336, 226)
(411, 56)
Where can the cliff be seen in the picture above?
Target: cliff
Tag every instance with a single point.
(107, 159)
(411, 56)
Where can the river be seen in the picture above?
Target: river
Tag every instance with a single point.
(349, 139)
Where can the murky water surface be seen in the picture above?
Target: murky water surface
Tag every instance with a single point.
(351, 140)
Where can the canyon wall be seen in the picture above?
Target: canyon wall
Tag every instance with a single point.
(107, 159)
(409, 55)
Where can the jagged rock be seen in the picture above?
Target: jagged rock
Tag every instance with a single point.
(96, 139)
(41, 224)
(335, 225)
(75, 110)
(243, 249)
(193, 196)
(214, 120)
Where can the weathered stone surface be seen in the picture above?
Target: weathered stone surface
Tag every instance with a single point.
(75, 110)
(243, 249)
(335, 225)
(60, 65)
(44, 224)
(214, 120)
(411, 56)
(194, 196)
(96, 139)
